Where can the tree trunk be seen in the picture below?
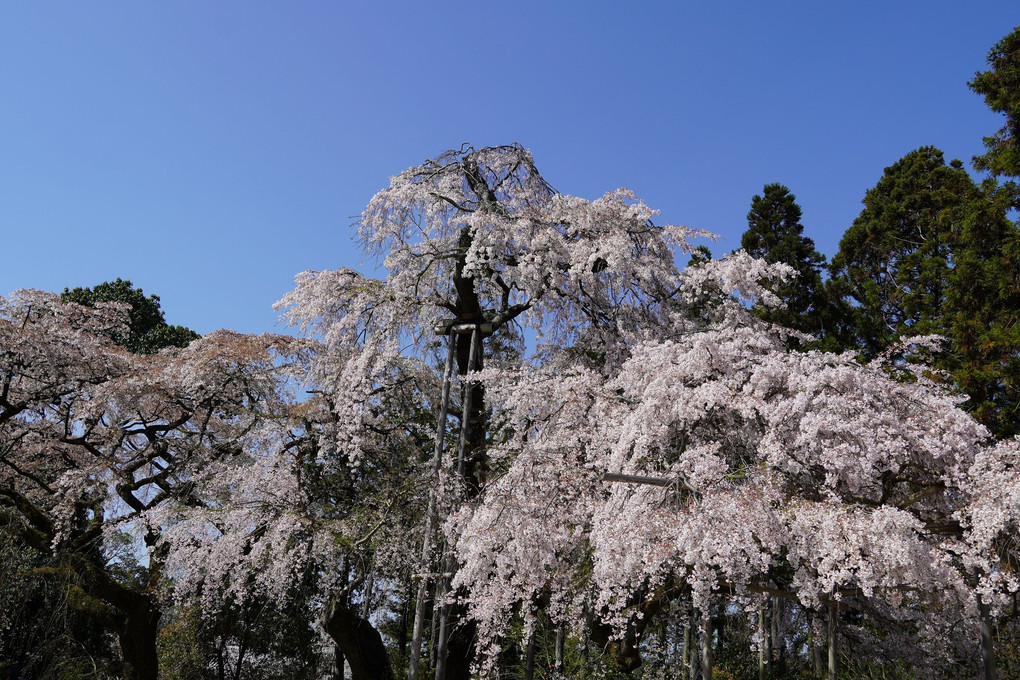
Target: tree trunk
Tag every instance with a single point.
(138, 643)
(359, 642)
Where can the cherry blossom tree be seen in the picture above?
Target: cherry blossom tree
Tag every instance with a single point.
(660, 445)
(94, 438)
(475, 239)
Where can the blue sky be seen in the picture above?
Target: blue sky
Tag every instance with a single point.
(209, 151)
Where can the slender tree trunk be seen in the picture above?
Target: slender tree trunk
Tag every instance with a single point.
(988, 671)
(241, 652)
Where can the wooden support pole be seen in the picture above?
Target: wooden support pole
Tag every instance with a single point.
(707, 657)
(833, 640)
(442, 644)
(468, 398)
(431, 519)
(455, 327)
(988, 671)
(763, 644)
(560, 635)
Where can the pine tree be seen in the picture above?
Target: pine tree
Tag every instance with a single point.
(148, 331)
(1000, 87)
(775, 234)
(934, 253)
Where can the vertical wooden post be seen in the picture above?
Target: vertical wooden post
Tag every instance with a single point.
(762, 640)
(777, 645)
(691, 655)
(442, 644)
(529, 659)
(707, 658)
(560, 635)
(988, 671)
(366, 604)
(833, 647)
(469, 393)
(431, 519)
(816, 644)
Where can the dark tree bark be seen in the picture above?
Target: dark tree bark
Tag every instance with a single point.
(138, 643)
(359, 642)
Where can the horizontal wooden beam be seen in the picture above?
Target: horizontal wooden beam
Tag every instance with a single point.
(636, 479)
(460, 328)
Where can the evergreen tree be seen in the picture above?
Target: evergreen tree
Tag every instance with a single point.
(775, 234)
(1000, 87)
(934, 253)
(148, 331)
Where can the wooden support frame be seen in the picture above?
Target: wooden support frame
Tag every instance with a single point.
(458, 327)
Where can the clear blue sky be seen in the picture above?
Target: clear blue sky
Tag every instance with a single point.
(209, 151)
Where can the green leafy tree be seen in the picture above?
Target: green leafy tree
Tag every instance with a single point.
(148, 332)
(934, 253)
(1000, 86)
(776, 235)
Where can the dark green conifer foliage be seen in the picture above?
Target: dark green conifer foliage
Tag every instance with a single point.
(148, 331)
(934, 253)
(1000, 87)
(775, 234)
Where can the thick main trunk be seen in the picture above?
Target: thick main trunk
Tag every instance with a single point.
(359, 641)
(461, 644)
(138, 644)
